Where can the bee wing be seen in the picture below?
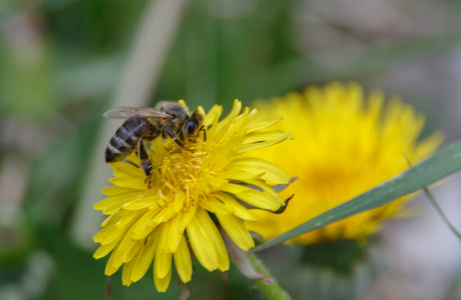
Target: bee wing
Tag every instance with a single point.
(126, 112)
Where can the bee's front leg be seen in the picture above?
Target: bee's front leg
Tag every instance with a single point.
(204, 132)
(173, 136)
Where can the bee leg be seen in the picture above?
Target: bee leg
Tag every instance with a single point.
(181, 135)
(173, 137)
(204, 132)
(144, 159)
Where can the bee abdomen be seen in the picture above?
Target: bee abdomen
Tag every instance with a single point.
(114, 154)
(125, 139)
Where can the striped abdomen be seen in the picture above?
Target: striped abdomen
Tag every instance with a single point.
(126, 138)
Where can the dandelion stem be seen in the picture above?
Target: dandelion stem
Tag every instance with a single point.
(273, 291)
(108, 288)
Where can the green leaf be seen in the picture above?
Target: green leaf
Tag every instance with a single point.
(436, 167)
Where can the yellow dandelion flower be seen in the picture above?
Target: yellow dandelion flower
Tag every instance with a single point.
(195, 202)
(341, 148)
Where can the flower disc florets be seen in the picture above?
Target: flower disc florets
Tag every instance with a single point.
(345, 143)
(192, 195)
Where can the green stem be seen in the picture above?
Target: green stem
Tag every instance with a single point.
(441, 213)
(272, 291)
(108, 288)
(437, 207)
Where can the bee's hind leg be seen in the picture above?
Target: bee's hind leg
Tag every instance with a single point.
(144, 160)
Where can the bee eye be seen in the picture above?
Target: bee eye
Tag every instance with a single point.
(190, 128)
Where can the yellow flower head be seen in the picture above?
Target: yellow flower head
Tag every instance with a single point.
(194, 199)
(341, 148)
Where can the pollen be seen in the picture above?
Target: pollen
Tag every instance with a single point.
(176, 174)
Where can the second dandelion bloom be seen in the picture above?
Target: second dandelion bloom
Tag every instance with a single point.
(345, 143)
(195, 199)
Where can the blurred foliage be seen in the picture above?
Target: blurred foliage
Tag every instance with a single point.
(60, 62)
(339, 255)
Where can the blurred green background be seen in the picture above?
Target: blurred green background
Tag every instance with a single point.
(64, 62)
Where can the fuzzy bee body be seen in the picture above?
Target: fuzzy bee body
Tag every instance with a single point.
(167, 119)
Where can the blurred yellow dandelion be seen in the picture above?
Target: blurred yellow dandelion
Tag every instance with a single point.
(342, 147)
(194, 202)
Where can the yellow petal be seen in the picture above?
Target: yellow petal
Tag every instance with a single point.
(162, 283)
(163, 258)
(110, 267)
(233, 188)
(103, 250)
(164, 214)
(183, 261)
(259, 184)
(114, 203)
(272, 173)
(263, 144)
(126, 273)
(129, 217)
(201, 111)
(188, 216)
(144, 258)
(204, 239)
(183, 104)
(124, 169)
(162, 264)
(213, 115)
(261, 200)
(225, 123)
(137, 246)
(214, 205)
(239, 174)
(129, 182)
(178, 202)
(112, 219)
(258, 137)
(236, 230)
(143, 226)
(174, 233)
(142, 202)
(253, 197)
(109, 234)
(122, 253)
(238, 209)
(260, 124)
(117, 190)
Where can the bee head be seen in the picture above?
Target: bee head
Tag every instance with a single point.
(193, 125)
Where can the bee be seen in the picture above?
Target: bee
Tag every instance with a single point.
(167, 119)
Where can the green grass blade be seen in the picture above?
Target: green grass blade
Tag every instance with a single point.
(436, 167)
(441, 213)
(438, 208)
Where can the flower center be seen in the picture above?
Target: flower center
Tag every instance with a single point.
(178, 177)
